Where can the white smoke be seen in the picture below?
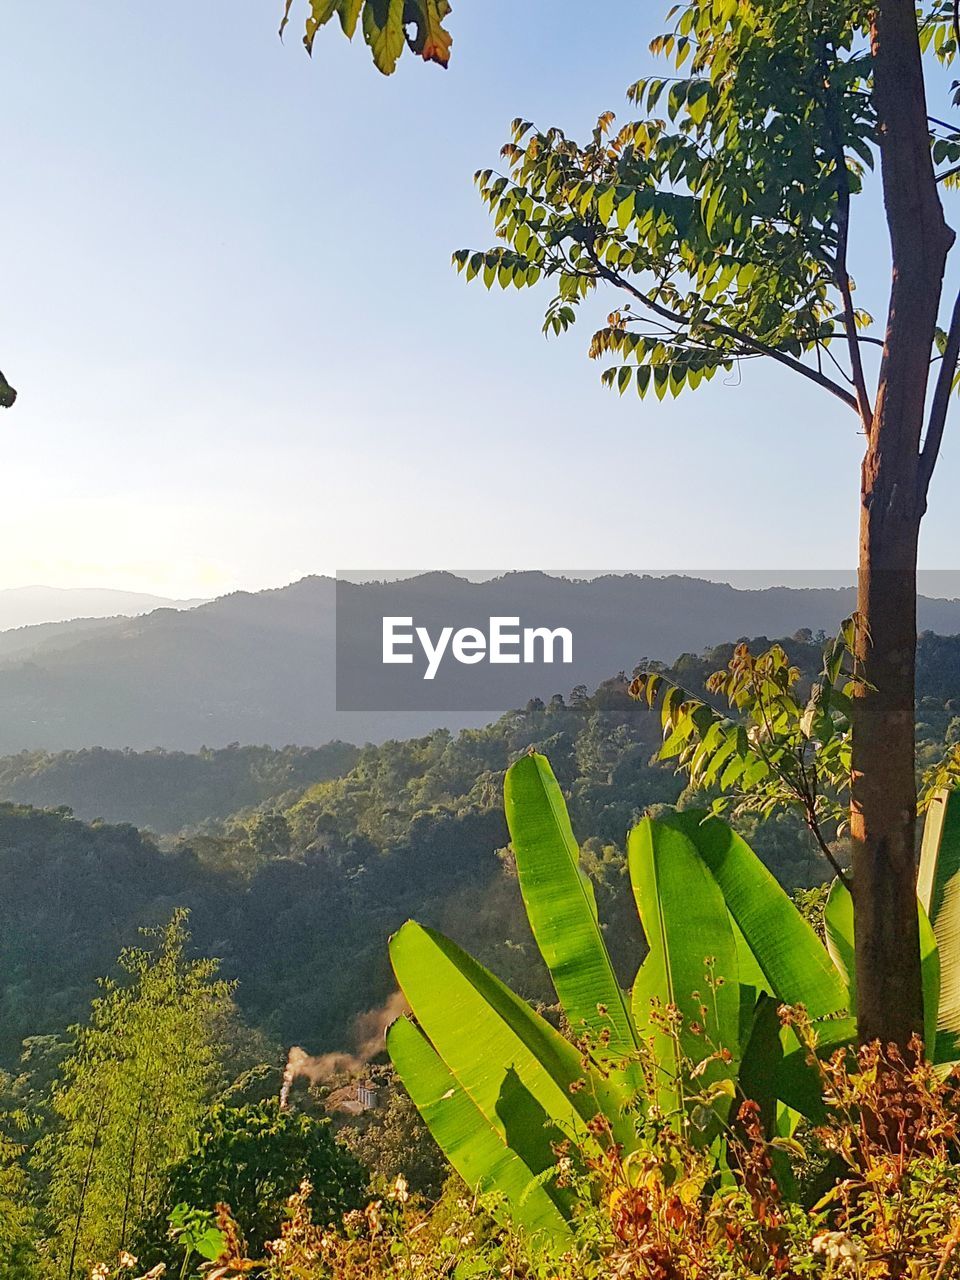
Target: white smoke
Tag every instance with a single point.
(369, 1030)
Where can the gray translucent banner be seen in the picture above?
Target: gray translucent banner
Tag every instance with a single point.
(486, 641)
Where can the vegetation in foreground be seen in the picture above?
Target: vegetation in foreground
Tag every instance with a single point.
(877, 1204)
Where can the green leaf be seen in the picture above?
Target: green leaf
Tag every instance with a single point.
(762, 1055)
(474, 1148)
(687, 929)
(560, 904)
(930, 974)
(762, 1058)
(349, 16)
(605, 203)
(388, 27)
(838, 918)
(625, 210)
(383, 32)
(211, 1245)
(493, 1041)
(788, 951)
(838, 925)
(939, 889)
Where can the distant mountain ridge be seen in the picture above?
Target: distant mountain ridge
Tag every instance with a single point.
(259, 667)
(35, 605)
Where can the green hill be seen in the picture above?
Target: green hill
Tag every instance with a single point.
(298, 892)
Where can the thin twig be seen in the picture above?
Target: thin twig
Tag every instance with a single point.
(939, 406)
(755, 344)
(841, 274)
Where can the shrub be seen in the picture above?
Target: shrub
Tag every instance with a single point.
(253, 1158)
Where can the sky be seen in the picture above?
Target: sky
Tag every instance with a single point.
(243, 356)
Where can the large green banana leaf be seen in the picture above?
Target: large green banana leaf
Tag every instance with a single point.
(468, 1140)
(687, 926)
(507, 1058)
(788, 951)
(938, 886)
(838, 927)
(931, 976)
(753, 982)
(561, 905)
(838, 918)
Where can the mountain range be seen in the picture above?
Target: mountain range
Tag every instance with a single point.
(260, 667)
(32, 606)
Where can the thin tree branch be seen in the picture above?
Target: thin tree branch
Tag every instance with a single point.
(836, 363)
(841, 275)
(862, 337)
(804, 792)
(761, 348)
(939, 406)
(814, 828)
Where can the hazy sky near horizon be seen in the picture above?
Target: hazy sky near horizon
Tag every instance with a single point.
(243, 356)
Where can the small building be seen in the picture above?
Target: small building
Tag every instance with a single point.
(353, 1099)
(367, 1095)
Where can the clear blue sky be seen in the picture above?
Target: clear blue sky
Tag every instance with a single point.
(243, 355)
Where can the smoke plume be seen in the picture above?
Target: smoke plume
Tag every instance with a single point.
(369, 1030)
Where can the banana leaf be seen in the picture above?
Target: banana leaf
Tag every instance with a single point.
(796, 1080)
(468, 1140)
(493, 1042)
(838, 926)
(687, 929)
(938, 887)
(794, 962)
(561, 906)
(838, 918)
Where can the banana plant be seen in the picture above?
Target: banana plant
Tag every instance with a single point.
(501, 1089)
(938, 888)
(938, 906)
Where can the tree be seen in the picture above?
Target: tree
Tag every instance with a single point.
(254, 1158)
(721, 218)
(18, 1258)
(130, 1097)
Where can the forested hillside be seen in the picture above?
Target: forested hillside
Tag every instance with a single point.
(327, 851)
(299, 900)
(299, 889)
(166, 791)
(296, 892)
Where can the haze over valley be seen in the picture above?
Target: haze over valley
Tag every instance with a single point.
(258, 667)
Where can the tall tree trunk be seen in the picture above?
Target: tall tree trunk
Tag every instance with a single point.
(883, 791)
